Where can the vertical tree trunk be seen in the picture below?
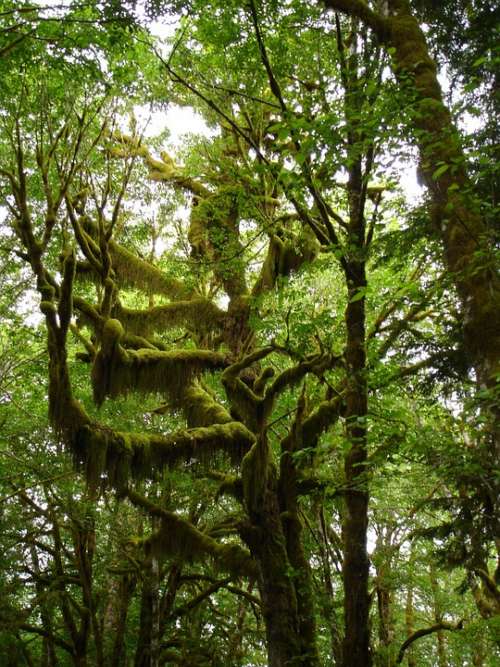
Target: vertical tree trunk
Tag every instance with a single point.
(438, 617)
(49, 658)
(115, 619)
(356, 645)
(143, 647)
(410, 625)
(283, 610)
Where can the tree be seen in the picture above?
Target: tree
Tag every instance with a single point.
(279, 415)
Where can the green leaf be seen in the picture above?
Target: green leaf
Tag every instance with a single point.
(442, 169)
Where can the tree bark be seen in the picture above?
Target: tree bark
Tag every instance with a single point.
(281, 606)
(456, 213)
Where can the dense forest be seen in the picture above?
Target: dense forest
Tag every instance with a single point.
(249, 403)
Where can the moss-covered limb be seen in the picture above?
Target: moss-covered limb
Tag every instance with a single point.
(291, 377)
(90, 349)
(120, 456)
(244, 402)
(361, 10)
(262, 380)
(214, 236)
(321, 419)
(178, 537)
(87, 244)
(256, 470)
(490, 587)
(237, 367)
(65, 307)
(201, 408)
(230, 485)
(163, 169)
(89, 313)
(93, 318)
(43, 632)
(132, 271)
(416, 313)
(201, 597)
(199, 314)
(285, 256)
(117, 371)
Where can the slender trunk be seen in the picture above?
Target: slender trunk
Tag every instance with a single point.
(84, 541)
(49, 658)
(115, 619)
(410, 624)
(356, 646)
(438, 617)
(328, 606)
(155, 611)
(235, 646)
(456, 213)
(143, 648)
(292, 528)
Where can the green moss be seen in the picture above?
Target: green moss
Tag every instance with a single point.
(261, 381)
(255, 473)
(198, 314)
(201, 409)
(135, 272)
(47, 307)
(179, 538)
(117, 371)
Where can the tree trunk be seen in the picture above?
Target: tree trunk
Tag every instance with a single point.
(356, 645)
(438, 617)
(143, 648)
(283, 609)
(410, 625)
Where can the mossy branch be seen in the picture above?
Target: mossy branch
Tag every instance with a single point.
(119, 456)
(163, 169)
(360, 9)
(199, 314)
(132, 271)
(321, 419)
(65, 308)
(291, 377)
(117, 371)
(201, 408)
(178, 537)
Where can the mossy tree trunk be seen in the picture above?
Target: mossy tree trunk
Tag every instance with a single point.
(456, 212)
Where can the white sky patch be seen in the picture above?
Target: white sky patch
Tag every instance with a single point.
(179, 121)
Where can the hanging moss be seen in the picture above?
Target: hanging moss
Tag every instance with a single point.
(117, 371)
(285, 256)
(201, 409)
(179, 538)
(199, 313)
(112, 458)
(255, 470)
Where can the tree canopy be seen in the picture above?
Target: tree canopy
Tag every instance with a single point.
(249, 408)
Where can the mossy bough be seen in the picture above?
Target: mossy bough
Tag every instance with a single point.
(178, 537)
(117, 371)
(112, 458)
